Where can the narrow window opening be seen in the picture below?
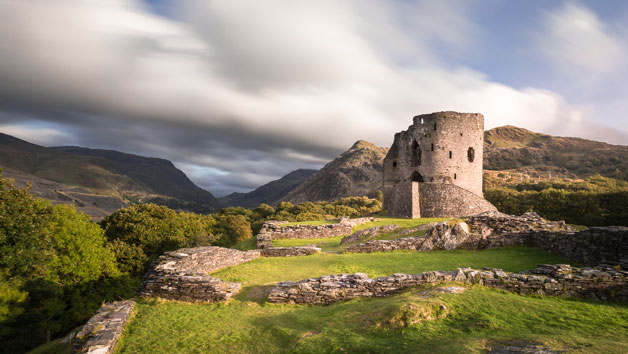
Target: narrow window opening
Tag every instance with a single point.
(421, 120)
(434, 125)
(450, 155)
(471, 154)
(455, 176)
(394, 163)
(416, 154)
(432, 147)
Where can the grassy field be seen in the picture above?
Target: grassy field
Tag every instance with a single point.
(468, 322)
(472, 321)
(267, 270)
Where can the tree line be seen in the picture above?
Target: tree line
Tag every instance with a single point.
(594, 201)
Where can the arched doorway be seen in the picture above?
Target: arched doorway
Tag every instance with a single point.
(416, 177)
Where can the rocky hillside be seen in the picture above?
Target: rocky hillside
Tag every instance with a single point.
(270, 193)
(88, 174)
(356, 172)
(510, 147)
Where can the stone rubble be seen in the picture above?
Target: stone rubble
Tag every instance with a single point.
(602, 282)
(102, 331)
(183, 274)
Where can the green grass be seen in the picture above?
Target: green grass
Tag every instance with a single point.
(54, 347)
(247, 245)
(473, 321)
(268, 270)
(327, 244)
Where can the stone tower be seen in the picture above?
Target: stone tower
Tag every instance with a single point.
(434, 169)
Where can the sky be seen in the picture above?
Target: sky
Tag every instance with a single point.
(240, 92)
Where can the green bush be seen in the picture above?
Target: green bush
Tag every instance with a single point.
(139, 234)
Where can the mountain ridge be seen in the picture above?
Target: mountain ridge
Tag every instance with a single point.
(90, 174)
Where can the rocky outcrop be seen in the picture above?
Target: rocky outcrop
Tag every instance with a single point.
(603, 282)
(183, 274)
(356, 172)
(102, 331)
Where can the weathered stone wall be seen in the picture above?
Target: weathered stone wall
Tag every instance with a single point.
(102, 331)
(289, 251)
(444, 148)
(602, 282)
(487, 230)
(271, 230)
(183, 274)
(596, 245)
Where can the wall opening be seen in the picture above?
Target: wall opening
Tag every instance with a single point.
(471, 154)
(416, 154)
(421, 120)
(432, 147)
(416, 177)
(434, 125)
(450, 155)
(394, 163)
(455, 176)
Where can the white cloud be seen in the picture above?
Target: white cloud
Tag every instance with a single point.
(286, 83)
(574, 39)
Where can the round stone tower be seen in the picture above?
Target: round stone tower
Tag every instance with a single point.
(439, 148)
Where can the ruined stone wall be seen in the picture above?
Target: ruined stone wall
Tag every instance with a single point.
(289, 251)
(101, 333)
(276, 232)
(561, 280)
(596, 245)
(442, 147)
(183, 274)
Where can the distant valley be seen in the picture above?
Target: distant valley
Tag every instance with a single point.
(101, 181)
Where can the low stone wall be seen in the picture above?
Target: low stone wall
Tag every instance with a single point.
(183, 274)
(603, 282)
(289, 251)
(102, 331)
(275, 231)
(487, 230)
(596, 245)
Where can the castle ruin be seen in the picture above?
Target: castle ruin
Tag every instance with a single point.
(434, 169)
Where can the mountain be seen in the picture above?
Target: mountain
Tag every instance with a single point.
(356, 172)
(86, 176)
(513, 148)
(270, 193)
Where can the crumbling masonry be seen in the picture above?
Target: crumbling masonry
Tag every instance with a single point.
(434, 169)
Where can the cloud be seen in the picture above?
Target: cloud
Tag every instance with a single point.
(239, 92)
(574, 39)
